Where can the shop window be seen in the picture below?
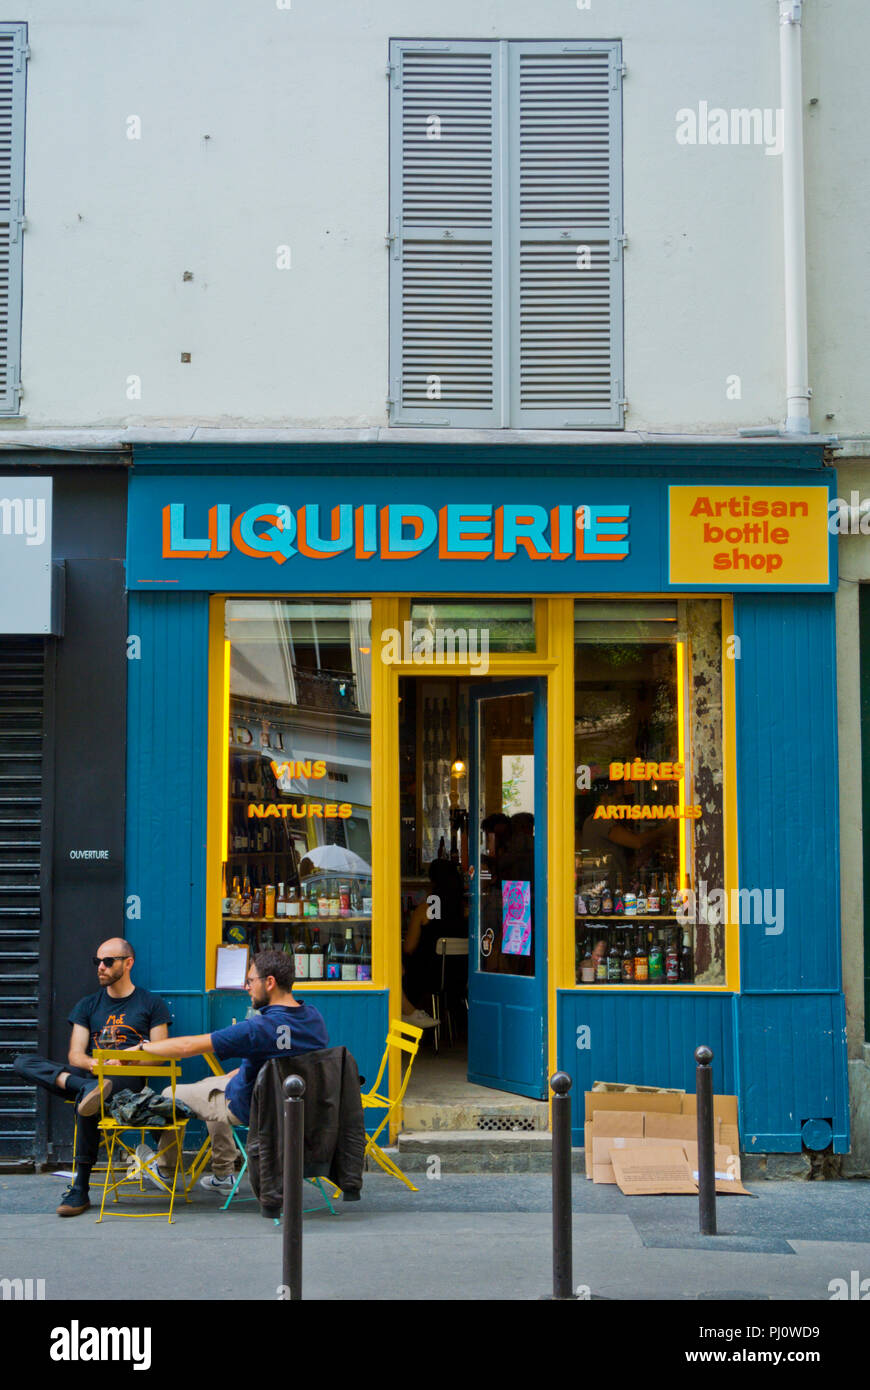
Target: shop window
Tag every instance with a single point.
(297, 862)
(648, 799)
(453, 630)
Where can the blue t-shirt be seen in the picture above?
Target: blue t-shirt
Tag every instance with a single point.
(276, 1031)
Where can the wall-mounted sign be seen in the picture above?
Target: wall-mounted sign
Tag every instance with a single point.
(732, 536)
(591, 531)
(25, 556)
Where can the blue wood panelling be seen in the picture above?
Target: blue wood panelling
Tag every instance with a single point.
(167, 709)
(787, 787)
(792, 1069)
(645, 1039)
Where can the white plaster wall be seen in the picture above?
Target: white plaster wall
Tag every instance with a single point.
(294, 103)
(836, 41)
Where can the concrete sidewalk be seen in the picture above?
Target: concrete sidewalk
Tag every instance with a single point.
(460, 1237)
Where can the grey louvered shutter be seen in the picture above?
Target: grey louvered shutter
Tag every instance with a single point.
(13, 63)
(446, 359)
(566, 209)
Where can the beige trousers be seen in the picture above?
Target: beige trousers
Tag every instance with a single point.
(207, 1101)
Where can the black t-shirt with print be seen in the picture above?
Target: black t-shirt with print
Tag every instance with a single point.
(122, 1022)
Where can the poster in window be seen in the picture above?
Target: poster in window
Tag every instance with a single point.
(516, 917)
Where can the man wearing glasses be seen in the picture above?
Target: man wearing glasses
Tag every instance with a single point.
(120, 1014)
(283, 1027)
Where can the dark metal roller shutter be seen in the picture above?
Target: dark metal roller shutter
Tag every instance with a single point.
(22, 681)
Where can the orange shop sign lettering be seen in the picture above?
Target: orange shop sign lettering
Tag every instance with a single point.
(311, 810)
(752, 535)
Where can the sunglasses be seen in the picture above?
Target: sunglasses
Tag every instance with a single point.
(107, 960)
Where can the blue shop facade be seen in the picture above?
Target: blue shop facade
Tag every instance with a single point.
(587, 679)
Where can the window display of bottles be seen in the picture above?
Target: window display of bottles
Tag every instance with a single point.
(647, 897)
(633, 953)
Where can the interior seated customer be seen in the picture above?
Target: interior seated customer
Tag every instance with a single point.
(441, 913)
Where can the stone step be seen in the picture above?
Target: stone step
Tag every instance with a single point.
(479, 1151)
(506, 1116)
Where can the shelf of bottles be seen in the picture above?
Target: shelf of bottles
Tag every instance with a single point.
(326, 927)
(632, 938)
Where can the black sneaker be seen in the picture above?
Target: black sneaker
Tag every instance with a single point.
(74, 1201)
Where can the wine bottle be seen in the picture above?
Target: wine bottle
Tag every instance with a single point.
(316, 962)
(333, 963)
(300, 956)
(348, 957)
(364, 964)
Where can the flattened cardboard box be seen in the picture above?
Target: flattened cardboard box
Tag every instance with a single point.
(612, 1128)
(598, 1101)
(653, 1172)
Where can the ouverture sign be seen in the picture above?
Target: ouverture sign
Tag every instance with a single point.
(517, 534)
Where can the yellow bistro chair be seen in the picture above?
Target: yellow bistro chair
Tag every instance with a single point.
(165, 1070)
(403, 1038)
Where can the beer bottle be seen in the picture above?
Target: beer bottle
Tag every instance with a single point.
(247, 899)
(601, 967)
(627, 961)
(665, 897)
(614, 962)
(672, 960)
(656, 960)
(641, 901)
(606, 899)
(653, 902)
(618, 904)
(687, 965)
(641, 960)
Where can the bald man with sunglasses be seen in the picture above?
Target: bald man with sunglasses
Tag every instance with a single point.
(120, 1014)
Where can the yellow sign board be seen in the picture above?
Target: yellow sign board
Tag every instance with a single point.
(748, 535)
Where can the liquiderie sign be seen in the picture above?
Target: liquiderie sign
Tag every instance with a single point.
(749, 535)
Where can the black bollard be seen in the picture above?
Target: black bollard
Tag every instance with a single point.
(294, 1106)
(706, 1149)
(563, 1255)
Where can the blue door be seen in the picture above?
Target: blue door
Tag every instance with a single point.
(507, 956)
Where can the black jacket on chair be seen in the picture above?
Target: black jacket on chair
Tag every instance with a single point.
(334, 1128)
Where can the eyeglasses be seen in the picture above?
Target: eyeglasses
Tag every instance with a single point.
(107, 960)
(252, 980)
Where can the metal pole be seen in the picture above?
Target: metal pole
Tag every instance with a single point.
(563, 1256)
(706, 1153)
(294, 1107)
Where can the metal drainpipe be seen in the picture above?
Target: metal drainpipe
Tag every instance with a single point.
(793, 219)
